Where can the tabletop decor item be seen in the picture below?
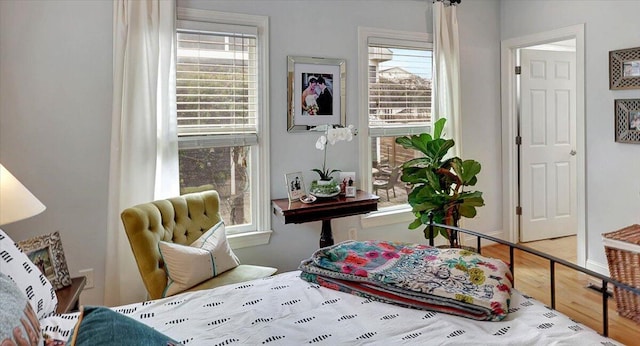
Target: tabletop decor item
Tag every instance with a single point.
(45, 251)
(295, 186)
(326, 186)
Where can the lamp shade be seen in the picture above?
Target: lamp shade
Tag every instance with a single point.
(16, 201)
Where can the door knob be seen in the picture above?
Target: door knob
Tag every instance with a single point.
(572, 153)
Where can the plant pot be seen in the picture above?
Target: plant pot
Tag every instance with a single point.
(324, 188)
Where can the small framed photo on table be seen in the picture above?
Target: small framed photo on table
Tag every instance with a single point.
(46, 253)
(295, 186)
(348, 183)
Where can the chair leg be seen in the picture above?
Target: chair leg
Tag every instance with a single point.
(387, 194)
(394, 191)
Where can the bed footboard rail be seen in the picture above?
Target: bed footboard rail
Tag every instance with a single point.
(552, 265)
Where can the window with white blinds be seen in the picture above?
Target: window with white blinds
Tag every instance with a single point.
(398, 102)
(400, 84)
(216, 85)
(222, 117)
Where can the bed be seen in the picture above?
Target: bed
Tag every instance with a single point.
(284, 309)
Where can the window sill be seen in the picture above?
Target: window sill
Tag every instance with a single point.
(387, 217)
(248, 239)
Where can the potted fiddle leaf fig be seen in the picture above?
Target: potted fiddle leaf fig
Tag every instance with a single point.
(438, 182)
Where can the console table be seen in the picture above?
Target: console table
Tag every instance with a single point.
(325, 209)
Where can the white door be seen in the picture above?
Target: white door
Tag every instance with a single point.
(547, 154)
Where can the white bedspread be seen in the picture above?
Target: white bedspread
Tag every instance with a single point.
(285, 310)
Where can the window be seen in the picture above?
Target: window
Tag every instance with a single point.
(222, 114)
(398, 102)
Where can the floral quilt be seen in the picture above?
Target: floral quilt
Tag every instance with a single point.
(454, 281)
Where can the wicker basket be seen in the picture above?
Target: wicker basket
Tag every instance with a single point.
(623, 255)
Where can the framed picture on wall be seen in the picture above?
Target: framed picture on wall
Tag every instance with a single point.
(46, 253)
(624, 69)
(315, 92)
(627, 120)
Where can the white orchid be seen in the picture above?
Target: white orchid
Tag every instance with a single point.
(321, 142)
(332, 136)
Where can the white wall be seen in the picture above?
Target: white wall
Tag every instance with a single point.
(613, 187)
(55, 121)
(55, 110)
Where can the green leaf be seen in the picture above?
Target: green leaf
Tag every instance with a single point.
(467, 211)
(415, 224)
(438, 148)
(438, 127)
(470, 168)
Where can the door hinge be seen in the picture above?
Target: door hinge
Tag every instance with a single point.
(518, 210)
(518, 140)
(518, 69)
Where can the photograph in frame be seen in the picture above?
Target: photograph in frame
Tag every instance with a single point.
(45, 251)
(627, 120)
(316, 92)
(624, 69)
(295, 186)
(348, 183)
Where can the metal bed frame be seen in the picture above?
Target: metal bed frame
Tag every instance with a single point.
(552, 265)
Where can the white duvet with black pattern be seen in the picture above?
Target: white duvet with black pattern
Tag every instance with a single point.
(285, 310)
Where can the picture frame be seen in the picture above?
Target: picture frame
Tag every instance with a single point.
(328, 107)
(348, 181)
(45, 251)
(627, 120)
(295, 186)
(624, 69)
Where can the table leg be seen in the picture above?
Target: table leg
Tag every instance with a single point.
(326, 235)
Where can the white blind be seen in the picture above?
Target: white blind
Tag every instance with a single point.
(216, 84)
(400, 84)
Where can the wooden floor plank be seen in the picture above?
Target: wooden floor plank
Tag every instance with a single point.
(573, 297)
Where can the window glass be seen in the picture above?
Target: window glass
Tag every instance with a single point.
(218, 107)
(399, 84)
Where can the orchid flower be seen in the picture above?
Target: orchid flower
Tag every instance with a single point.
(332, 136)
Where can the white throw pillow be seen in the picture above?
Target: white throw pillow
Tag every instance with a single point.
(207, 257)
(18, 267)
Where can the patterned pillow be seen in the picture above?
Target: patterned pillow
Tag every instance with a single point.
(207, 257)
(18, 267)
(105, 327)
(18, 323)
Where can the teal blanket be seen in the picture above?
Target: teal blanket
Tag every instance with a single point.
(453, 281)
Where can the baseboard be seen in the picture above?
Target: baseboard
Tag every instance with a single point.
(598, 267)
(471, 241)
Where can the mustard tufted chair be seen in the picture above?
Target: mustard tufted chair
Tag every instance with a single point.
(179, 220)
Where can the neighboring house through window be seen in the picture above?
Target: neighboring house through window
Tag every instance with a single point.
(222, 113)
(396, 84)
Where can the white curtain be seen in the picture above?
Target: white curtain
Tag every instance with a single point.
(144, 154)
(446, 79)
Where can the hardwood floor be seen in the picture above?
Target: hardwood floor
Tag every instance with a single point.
(573, 297)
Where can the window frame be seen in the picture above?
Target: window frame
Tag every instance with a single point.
(259, 231)
(399, 213)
